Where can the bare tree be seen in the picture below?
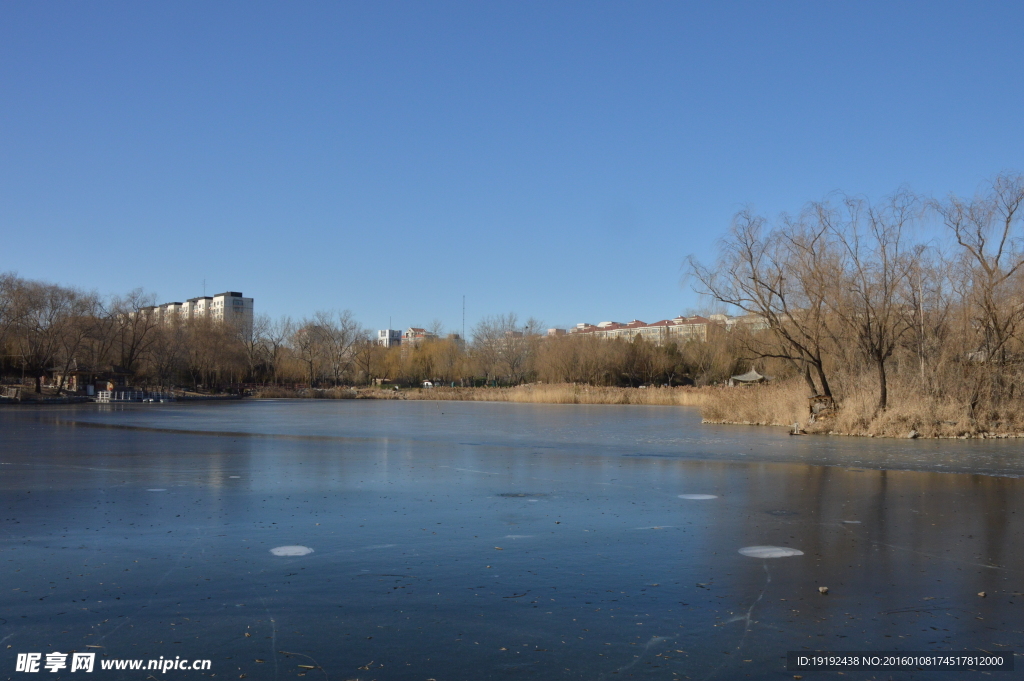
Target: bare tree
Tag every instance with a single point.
(306, 341)
(504, 347)
(252, 338)
(339, 332)
(436, 328)
(871, 280)
(46, 312)
(987, 229)
(275, 340)
(10, 290)
(75, 333)
(168, 352)
(368, 358)
(783, 276)
(135, 323)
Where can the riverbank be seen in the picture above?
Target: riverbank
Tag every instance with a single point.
(772, 404)
(533, 394)
(914, 415)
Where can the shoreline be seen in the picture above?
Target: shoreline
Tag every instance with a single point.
(536, 393)
(975, 436)
(779, 405)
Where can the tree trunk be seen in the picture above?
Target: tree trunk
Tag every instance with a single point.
(826, 391)
(809, 380)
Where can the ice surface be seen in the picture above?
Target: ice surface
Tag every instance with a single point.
(406, 573)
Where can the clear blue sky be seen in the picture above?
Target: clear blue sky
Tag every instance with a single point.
(554, 159)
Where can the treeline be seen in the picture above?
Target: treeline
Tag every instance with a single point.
(47, 330)
(909, 310)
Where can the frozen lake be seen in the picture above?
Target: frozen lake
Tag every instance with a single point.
(467, 540)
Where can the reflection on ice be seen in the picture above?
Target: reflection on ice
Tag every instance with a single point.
(770, 551)
(157, 489)
(291, 550)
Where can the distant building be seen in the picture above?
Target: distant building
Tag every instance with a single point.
(230, 306)
(414, 336)
(556, 332)
(751, 322)
(389, 338)
(411, 337)
(171, 311)
(677, 330)
(200, 306)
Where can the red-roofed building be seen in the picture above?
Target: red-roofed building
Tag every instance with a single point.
(414, 336)
(679, 330)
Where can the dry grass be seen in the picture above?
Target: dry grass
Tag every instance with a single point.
(536, 394)
(926, 415)
(911, 412)
(769, 404)
(272, 392)
(565, 393)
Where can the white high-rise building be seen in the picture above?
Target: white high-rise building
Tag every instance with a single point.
(229, 306)
(389, 337)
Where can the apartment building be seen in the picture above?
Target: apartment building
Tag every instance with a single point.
(389, 338)
(411, 337)
(751, 322)
(230, 306)
(414, 336)
(677, 330)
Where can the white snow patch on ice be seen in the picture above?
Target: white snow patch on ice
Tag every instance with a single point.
(291, 550)
(698, 497)
(770, 551)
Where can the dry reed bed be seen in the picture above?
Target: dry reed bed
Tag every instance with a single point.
(769, 404)
(913, 414)
(772, 404)
(568, 394)
(273, 392)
